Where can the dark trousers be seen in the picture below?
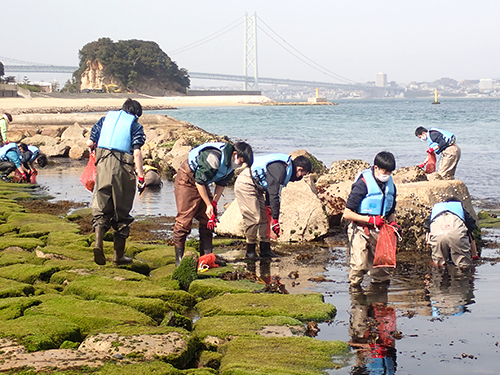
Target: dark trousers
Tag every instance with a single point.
(7, 167)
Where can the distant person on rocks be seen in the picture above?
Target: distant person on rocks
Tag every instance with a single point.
(371, 203)
(5, 120)
(258, 192)
(206, 164)
(10, 160)
(152, 176)
(30, 154)
(118, 137)
(450, 229)
(444, 143)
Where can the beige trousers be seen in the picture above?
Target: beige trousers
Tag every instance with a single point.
(448, 163)
(362, 251)
(252, 203)
(449, 238)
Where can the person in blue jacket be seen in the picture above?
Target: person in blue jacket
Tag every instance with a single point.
(258, 189)
(443, 143)
(371, 203)
(118, 138)
(10, 160)
(31, 154)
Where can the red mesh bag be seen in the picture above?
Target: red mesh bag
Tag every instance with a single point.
(430, 166)
(269, 233)
(33, 178)
(89, 174)
(385, 252)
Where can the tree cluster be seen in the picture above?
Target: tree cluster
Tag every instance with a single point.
(129, 61)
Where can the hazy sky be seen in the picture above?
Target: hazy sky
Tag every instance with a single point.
(408, 40)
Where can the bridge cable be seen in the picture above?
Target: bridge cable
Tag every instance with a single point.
(325, 70)
(209, 37)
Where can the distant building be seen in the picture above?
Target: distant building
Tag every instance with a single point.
(381, 80)
(486, 85)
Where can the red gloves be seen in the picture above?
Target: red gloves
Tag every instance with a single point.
(377, 221)
(276, 227)
(35, 172)
(141, 184)
(212, 222)
(397, 227)
(421, 165)
(430, 150)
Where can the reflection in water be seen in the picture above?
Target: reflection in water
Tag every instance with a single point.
(372, 327)
(450, 290)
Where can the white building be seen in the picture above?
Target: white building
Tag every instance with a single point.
(381, 80)
(486, 85)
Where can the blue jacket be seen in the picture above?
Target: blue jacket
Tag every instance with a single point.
(453, 207)
(259, 167)
(224, 165)
(376, 202)
(35, 152)
(10, 152)
(116, 131)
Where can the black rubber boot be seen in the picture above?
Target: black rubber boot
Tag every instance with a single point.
(119, 247)
(99, 246)
(251, 253)
(179, 253)
(265, 250)
(205, 241)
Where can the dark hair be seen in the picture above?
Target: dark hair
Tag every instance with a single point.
(302, 161)
(420, 130)
(385, 160)
(452, 199)
(244, 150)
(133, 107)
(9, 116)
(41, 160)
(23, 147)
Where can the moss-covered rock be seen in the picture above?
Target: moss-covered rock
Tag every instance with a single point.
(14, 255)
(89, 316)
(67, 238)
(152, 307)
(304, 307)
(143, 368)
(224, 326)
(488, 219)
(28, 273)
(91, 287)
(281, 356)
(158, 257)
(208, 288)
(210, 359)
(185, 272)
(174, 319)
(12, 308)
(11, 288)
(40, 332)
(27, 243)
(30, 222)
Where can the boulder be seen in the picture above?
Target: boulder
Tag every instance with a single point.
(342, 170)
(53, 131)
(408, 174)
(40, 140)
(74, 133)
(79, 151)
(61, 149)
(302, 215)
(178, 154)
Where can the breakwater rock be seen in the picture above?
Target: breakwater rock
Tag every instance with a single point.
(313, 210)
(64, 135)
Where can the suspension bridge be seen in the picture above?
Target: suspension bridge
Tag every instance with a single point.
(250, 76)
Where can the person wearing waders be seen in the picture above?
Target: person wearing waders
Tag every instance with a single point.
(450, 229)
(5, 120)
(444, 143)
(206, 164)
(258, 189)
(371, 203)
(118, 138)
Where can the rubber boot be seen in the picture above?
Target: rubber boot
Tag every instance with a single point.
(265, 250)
(251, 253)
(205, 241)
(99, 246)
(179, 253)
(119, 247)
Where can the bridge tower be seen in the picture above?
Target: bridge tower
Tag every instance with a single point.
(250, 53)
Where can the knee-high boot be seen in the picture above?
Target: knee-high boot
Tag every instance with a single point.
(179, 253)
(251, 254)
(119, 247)
(205, 241)
(99, 245)
(265, 250)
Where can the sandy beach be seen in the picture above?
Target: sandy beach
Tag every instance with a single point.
(16, 104)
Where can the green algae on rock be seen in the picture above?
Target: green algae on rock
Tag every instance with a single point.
(305, 306)
(28, 273)
(11, 288)
(281, 356)
(208, 288)
(229, 326)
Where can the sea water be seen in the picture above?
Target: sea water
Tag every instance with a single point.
(359, 129)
